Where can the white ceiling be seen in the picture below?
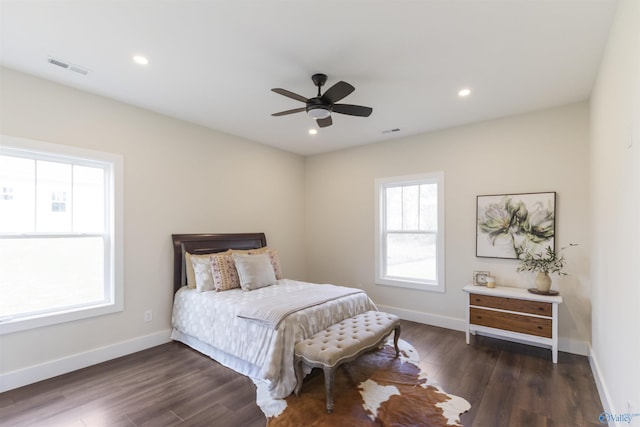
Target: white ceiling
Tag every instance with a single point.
(214, 62)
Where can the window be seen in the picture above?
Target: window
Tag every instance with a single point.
(60, 234)
(410, 231)
(59, 201)
(6, 193)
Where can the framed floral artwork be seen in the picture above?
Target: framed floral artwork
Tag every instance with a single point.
(508, 225)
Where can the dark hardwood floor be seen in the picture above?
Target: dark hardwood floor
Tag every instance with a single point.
(507, 384)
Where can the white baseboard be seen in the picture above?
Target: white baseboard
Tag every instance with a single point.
(32, 374)
(603, 391)
(426, 318)
(564, 344)
(569, 345)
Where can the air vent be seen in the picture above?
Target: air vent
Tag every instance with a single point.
(79, 70)
(66, 65)
(58, 63)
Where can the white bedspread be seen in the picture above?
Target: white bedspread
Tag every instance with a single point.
(274, 309)
(254, 348)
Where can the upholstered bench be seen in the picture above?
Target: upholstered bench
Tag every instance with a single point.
(344, 342)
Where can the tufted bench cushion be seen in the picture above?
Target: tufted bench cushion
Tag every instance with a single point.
(344, 342)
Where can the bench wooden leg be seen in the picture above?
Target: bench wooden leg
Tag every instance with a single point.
(396, 337)
(298, 370)
(329, 376)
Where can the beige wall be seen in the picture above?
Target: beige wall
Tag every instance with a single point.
(615, 189)
(178, 178)
(537, 152)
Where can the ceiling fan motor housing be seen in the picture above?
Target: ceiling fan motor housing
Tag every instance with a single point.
(318, 109)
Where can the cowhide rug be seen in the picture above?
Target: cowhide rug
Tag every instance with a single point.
(376, 389)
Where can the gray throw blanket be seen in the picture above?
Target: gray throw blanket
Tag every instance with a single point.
(272, 310)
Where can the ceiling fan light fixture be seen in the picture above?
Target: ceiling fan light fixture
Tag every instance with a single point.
(318, 112)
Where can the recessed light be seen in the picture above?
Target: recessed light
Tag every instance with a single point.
(139, 59)
(313, 131)
(464, 92)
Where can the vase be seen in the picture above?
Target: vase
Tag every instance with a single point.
(543, 281)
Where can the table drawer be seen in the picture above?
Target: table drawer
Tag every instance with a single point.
(511, 322)
(512, 304)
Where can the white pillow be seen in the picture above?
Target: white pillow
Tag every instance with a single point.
(254, 271)
(201, 265)
(273, 255)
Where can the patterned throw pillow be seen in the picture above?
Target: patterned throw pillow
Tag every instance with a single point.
(191, 277)
(223, 271)
(202, 273)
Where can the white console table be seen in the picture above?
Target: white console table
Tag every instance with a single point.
(513, 313)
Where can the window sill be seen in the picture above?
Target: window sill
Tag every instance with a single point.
(10, 325)
(420, 286)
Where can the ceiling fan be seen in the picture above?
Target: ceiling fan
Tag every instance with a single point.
(321, 106)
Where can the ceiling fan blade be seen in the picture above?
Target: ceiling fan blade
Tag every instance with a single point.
(284, 113)
(323, 123)
(289, 94)
(336, 92)
(352, 110)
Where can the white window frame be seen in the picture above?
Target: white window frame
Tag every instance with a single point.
(381, 278)
(114, 254)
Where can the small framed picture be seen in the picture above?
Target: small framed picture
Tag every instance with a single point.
(480, 277)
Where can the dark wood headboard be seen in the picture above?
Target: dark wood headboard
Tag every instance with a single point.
(207, 244)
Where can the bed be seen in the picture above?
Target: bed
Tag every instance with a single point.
(230, 326)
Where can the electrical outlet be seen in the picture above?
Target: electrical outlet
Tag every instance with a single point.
(148, 316)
